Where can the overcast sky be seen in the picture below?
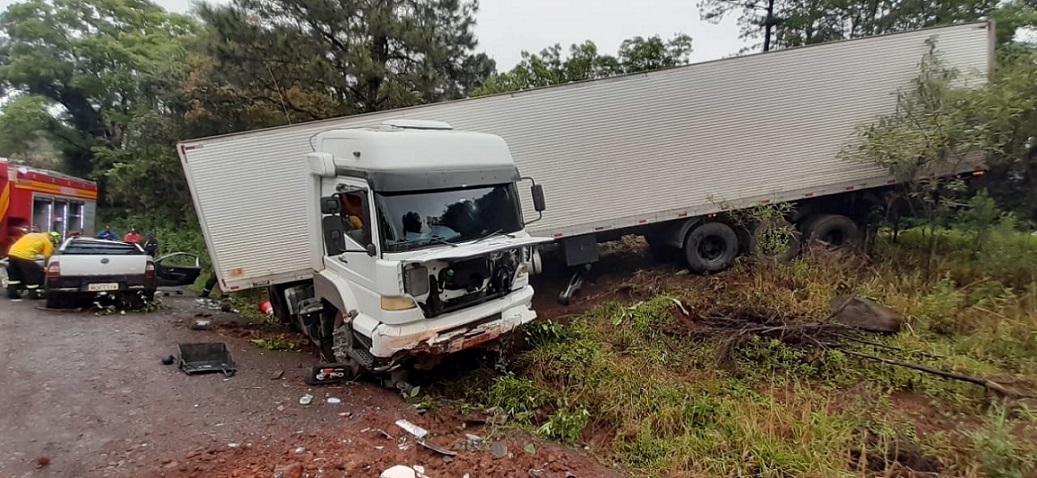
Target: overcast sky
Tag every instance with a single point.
(506, 27)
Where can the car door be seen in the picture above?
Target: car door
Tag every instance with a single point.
(171, 272)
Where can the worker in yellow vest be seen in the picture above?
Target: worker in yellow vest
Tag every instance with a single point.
(23, 273)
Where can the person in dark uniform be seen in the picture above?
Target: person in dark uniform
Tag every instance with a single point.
(210, 284)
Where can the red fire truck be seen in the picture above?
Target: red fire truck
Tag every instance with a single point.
(37, 199)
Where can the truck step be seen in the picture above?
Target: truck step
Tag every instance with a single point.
(363, 357)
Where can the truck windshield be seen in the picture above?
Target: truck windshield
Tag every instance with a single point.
(411, 221)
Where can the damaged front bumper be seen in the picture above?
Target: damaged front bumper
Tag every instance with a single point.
(390, 345)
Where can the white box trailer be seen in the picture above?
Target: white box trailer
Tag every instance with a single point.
(654, 153)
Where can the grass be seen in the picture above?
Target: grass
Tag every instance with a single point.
(661, 405)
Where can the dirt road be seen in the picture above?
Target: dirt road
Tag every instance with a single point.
(86, 395)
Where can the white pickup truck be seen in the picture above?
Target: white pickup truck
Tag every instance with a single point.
(83, 268)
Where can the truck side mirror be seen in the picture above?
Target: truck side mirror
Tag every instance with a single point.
(539, 203)
(334, 234)
(330, 205)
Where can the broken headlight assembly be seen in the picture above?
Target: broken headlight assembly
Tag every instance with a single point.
(415, 280)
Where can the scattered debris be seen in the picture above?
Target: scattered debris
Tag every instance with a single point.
(300, 450)
(334, 401)
(399, 471)
(42, 462)
(420, 434)
(206, 357)
(200, 325)
(168, 360)
(499, 450)
(411, 428)
(277, 375)
(289, 471)
(306, 399)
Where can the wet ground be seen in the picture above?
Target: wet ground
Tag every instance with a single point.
(86, 395)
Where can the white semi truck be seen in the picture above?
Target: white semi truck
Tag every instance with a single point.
(447, 242)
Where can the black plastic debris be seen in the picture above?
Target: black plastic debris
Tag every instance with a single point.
(206, 358)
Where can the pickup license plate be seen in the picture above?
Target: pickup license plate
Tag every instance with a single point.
(102, 287)
(477, 340)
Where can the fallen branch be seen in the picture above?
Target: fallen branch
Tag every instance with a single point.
(988, 384)
(890, 347)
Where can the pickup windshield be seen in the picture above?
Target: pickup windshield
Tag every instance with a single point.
(90, 248)
(411, 221)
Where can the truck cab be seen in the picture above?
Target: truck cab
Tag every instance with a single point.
(420, 250)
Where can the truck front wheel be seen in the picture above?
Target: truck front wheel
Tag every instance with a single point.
(710, 247)
(335, 348)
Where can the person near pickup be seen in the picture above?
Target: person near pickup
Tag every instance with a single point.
(210, 284)
(23, 273)
(150, 245)
(132, 237)
(107, 234)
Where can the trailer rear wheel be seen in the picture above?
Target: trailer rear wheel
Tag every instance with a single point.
(775, 240)
(832, 230)
(711, 247)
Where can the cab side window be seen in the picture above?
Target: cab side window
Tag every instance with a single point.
(356, 217)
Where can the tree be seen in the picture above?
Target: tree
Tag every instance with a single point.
(24, 119)
(99, 62)
(807, 22)
(936, 126)
(360, 56)
(583, 63)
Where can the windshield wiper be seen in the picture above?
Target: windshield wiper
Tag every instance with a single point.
(441, 241)
(492, 234)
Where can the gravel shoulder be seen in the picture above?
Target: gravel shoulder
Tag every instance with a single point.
(86, 395)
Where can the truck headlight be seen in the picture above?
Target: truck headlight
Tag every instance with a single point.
(393, 304)
(415, 281)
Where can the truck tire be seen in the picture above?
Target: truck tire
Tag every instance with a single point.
(832, 230)
(710, 247)
(775, 241)
(334, 348)
(275, 294)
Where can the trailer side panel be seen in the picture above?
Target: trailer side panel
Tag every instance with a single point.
(611, 153)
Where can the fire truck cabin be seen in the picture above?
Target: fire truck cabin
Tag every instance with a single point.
(50, 201)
